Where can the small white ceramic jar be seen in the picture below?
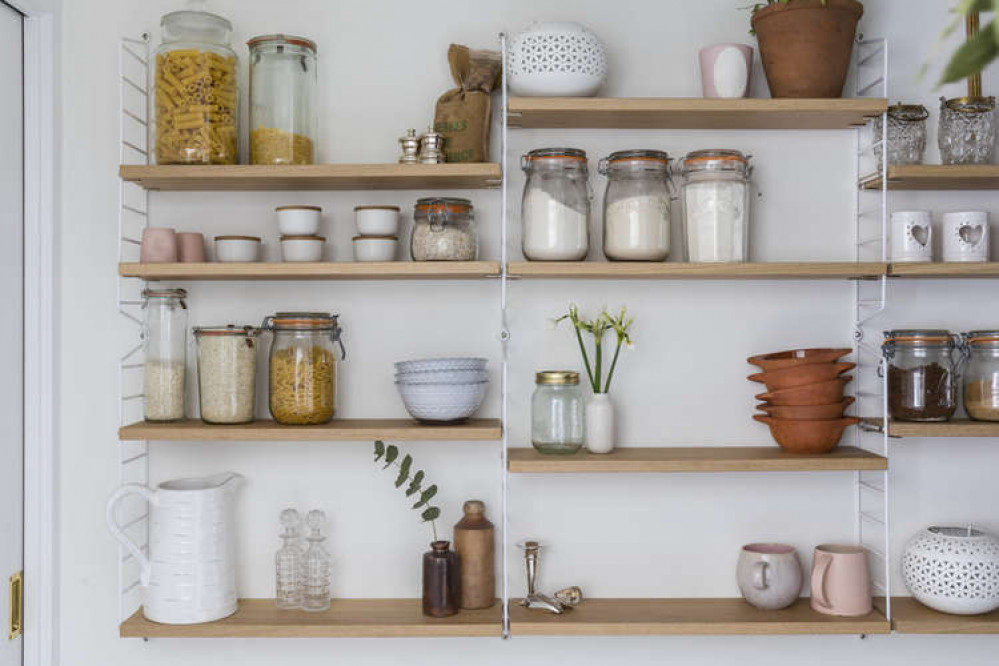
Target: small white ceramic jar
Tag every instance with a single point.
(298, 220)
(375, 248)
(237, 248)
(965, 236)
(911, 236)
(377, 220)
(302, 248)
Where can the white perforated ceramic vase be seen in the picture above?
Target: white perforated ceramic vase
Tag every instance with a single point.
(556, 59)
(953, 570)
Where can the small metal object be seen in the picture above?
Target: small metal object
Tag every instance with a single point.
(431, 147)
(543, 602)
(570, 596)
(410, 148)
(535, 600)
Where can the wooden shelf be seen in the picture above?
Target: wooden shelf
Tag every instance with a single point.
(908, 616)
(346, 618)
(337, 430)
(938, 177)
(944, 270)
(315, 177)
(953, 428)
(692, 617)
(606, 270)
(389, 270)
(694, 459)
(691, 113)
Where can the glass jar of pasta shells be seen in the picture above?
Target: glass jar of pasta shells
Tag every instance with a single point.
(303, 366)
(283, 119)
(196, 94)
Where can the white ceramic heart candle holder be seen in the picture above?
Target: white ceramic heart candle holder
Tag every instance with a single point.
(966, 236)
(911, 236)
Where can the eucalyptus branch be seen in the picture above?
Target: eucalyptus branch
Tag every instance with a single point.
(390, 456)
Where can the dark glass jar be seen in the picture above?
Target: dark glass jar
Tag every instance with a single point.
(441, 580)
(922, 375)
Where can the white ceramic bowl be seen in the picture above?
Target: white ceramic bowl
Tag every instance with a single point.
(442, 377)
(237, 248)
(440, 364)
(442, 402)
(375, 248)
(302, 248)
(556, 59)
(298, 220)
(377, 220)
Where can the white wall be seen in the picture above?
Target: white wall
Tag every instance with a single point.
(382, 66)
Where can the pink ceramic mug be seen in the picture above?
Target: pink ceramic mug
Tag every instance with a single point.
(726, 70)
(159, 246)
(190, 247)
(841, 581)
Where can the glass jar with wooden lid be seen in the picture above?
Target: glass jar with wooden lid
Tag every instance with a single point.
(557, 412)
(303, 366)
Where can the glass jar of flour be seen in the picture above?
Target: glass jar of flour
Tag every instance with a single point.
(715, 193)
(636, 205)
(555, 210)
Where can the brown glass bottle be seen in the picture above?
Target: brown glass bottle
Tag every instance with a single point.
(474, 542)
(441, 580)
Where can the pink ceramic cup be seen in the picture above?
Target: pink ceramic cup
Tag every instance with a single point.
(190, 247)
(726, 70)
(841, 581)
(159, 246)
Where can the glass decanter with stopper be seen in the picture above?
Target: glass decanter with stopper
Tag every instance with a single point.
(316, 596)
(290, 563)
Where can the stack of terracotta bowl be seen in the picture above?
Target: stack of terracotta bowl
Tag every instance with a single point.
(804, 403)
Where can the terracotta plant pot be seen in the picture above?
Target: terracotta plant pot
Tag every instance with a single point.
(793, 357)
(807, 436)
(808, 413)
(801, 375)
(808, 396)
(805, 47)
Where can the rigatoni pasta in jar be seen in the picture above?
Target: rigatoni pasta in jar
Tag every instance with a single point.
(196, 92)
(302, 373)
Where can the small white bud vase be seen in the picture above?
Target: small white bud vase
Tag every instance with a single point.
(599, 434)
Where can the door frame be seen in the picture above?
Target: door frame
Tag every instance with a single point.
(41, 526)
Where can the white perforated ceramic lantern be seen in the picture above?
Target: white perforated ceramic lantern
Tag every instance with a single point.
(953, 570)
(557, 59)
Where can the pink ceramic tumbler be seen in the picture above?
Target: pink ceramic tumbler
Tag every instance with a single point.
(190, 247)
(726, 70)
(841, 581)
(159, 246)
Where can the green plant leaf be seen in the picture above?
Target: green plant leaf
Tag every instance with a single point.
(973, 55)
(391, 453)
(426, 496)
(414, 485)
(432, 513)
(379, 450)
(407, 462)
(995, 24)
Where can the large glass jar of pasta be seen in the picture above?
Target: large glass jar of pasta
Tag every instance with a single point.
(283, 118)
(303, 366)
(196, 93)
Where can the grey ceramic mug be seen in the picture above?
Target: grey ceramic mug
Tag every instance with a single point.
(769, 575)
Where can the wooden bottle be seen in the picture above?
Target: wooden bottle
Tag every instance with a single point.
(474, 541)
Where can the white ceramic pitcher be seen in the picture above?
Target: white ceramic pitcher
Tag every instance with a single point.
(189, 575)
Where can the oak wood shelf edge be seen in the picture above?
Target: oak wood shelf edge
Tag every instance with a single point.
(347, 270)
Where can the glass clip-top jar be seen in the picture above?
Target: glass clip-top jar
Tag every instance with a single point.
(302, 372)
(164, 334)
(555, 208)
(906, 134)
(981, 375)
(283, 98)
(227, 373)
(196, 93)
(444, 230)
(637, 205)
(715, 193)
(557, 412)
(922, 374)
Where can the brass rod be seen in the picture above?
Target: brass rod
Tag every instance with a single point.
(971, 24)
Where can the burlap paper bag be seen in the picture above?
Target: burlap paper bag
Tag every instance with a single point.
(463, 114)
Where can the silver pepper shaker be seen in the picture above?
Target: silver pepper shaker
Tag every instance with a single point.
(431, 147)
(410, 148)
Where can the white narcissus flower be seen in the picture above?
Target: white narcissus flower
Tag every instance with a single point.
(630, 346)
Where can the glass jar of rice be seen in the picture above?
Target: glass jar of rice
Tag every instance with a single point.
(227, 372)
(303, 366)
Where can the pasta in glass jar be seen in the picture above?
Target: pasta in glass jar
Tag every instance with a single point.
(303, 366)
(196, 93)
